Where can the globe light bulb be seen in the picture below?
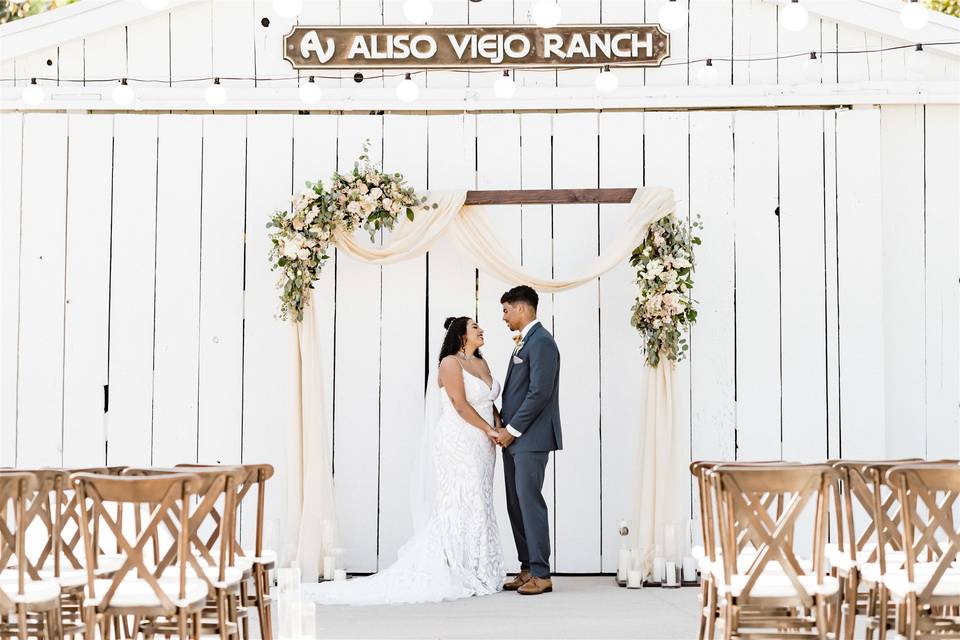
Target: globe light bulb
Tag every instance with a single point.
(918, 61)
(33, 93)
(123, 93)
(811, 68)
(794, 16)
(504, 87)
(546, 13)
(707, 75)
(607, 81)
(215, 93)
(672, 15)
(418, 11)
(309, 92)
(407, 90)
(914, 15)
(288, 8)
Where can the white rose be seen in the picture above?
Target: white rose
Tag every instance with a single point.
(387, 203)
(354, 207)
(362, 188)
(303, 253)
(375, 193)
(681, 263)
(289, 249)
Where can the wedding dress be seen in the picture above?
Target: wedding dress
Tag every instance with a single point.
(455, 551)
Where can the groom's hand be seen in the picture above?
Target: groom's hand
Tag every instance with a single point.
(504, 439)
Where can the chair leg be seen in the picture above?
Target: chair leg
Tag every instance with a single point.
(21, 622)
(89, 623)
(182, 623)
(882, 613)
(713, 614)
(850, 606)
(263, 609)
(911, 613)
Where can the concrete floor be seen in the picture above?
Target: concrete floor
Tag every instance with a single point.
(579, 607)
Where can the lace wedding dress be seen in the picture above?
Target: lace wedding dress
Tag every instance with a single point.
(456, 552)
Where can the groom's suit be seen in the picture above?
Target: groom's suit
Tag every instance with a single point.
(531, 407)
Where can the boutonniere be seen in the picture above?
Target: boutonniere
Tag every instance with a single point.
(518, 341)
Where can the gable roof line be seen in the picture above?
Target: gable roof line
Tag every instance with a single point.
(51, 28)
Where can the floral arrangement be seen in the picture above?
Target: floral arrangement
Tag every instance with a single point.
(364, 198)
(664, 309)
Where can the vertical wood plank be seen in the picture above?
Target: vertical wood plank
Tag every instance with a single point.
(86, 310)
(712, 348)
(671, 73)
(622, 369)
(191, 49)
(860, 276)
(754, 35)
(234, 31)
(40, 381)
(272, 71)
(499, 167)
(269, 344)
(403, 346)
(176, 333)
(903, 220)
(536, 172)
(357, 392)
(11, 129)
(802, 301)
(577, 331)
(831, 281)
(132, 281)
(942, 165)
(757, 237)
(220, 396)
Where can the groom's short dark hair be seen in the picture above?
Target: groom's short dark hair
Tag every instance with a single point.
(523, 293)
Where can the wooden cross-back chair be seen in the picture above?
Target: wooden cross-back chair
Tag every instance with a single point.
(863, 501)
(210, 559)
(783, 586)
(258, 561)
(33, 599)
(926, 591)
(138, 588)
(708, 556)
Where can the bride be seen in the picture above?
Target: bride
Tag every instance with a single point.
(455, 551)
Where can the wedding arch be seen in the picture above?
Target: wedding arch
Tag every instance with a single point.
(648, 231)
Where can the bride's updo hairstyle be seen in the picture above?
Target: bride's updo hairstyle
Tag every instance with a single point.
(455, 337)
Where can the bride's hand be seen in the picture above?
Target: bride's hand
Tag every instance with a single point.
(494, 435)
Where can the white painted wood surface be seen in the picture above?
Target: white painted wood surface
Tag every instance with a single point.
(198, 360)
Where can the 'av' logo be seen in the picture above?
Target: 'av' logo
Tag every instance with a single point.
(311, 43)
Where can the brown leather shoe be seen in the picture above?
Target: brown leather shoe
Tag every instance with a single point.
(535, 586)
(520, 580)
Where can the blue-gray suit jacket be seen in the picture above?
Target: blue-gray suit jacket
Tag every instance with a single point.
(531, 393)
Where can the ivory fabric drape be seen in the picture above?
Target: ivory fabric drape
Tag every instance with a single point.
(311, 486)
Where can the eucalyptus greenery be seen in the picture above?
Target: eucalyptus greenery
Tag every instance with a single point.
(365, 198)
(664, 310)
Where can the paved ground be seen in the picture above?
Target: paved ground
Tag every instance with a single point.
(579, 607)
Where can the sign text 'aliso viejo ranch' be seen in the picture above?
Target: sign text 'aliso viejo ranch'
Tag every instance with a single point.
(319, 47)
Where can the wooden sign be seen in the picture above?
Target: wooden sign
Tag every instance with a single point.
(448, 47)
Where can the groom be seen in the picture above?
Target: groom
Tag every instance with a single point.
(531, 413)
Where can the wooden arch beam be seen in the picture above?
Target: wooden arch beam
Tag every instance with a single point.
(550, 196)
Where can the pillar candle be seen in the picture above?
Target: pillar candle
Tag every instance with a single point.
(634, 579)
(671, 574)
(340, 574)
(658, 569)
(623, 564)
(689, 569)
(329, 565)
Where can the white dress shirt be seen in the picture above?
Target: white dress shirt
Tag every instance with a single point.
(523, 335)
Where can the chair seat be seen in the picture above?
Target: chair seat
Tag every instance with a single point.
(231, 575)
(773, 585)
(138, 593)
(34, 591)
(870, 571)
(248, 559)
(898, 585)
(747, 557)
(842, 560)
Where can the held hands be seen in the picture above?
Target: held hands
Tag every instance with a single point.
(500, 437)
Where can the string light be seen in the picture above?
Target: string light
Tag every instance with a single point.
(672, 15)
(288, 8)
(33, 93)
(310, 92)
(215, 93)
(917, 61)
(407, 90)
(708, 75)
(794, 16)
(418, 11)
(123, 93)
(546, 13)
(504, 87)
(607, 81)
(914, 15)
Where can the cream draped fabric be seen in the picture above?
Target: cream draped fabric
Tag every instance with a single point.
(660, 462)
